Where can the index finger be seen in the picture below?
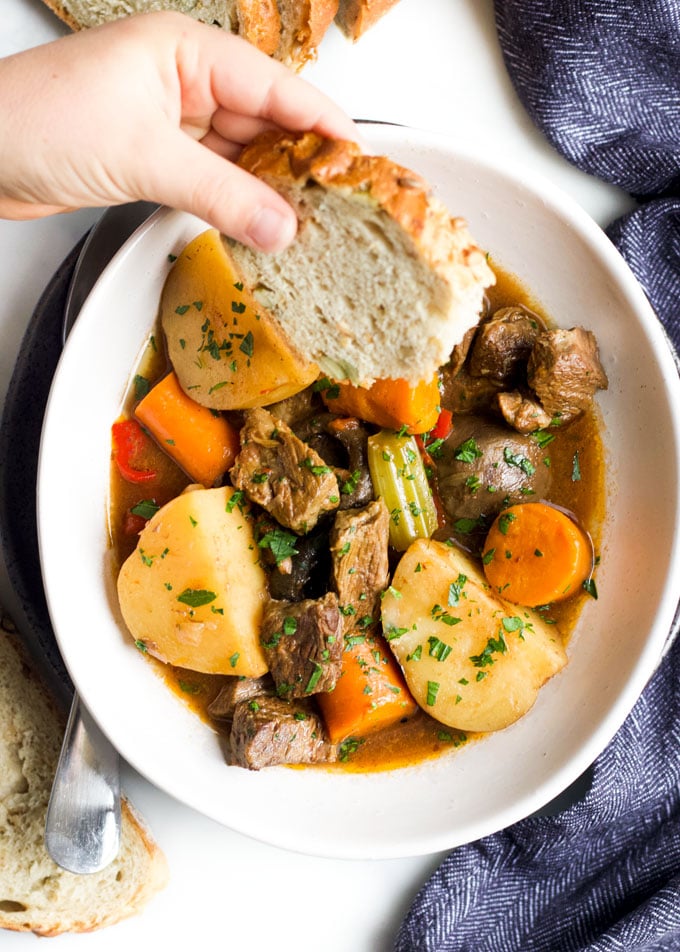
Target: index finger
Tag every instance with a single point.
(219, 69)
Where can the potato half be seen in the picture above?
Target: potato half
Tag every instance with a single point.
(228, 353)
(471, 660)
(193, 591)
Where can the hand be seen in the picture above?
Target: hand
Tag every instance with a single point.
(152, 107)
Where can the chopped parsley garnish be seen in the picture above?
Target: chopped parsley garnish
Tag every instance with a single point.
(521, 462)
(195, 597)
(314, 678)
(247, 344)
(456, 589)
(493, 646)
(281, 544)
(330, 390)
(590, 587)
(440, 614)
(467, 452)
(146, 508)
(438, 649)
(432, 691)
(505, 520)
(314, 469)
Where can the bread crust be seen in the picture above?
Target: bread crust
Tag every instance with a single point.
(303, 25)
(288, 30)
(63, 14)
(260, 24)
(35, 894)
(354, 17)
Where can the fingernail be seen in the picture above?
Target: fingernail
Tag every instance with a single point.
(270, 230)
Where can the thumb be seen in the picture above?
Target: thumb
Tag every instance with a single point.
(190, 177)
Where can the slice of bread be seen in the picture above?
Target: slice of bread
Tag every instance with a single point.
(35, 894)
(354, 17)
(381, 281)
(303, 25)
(288, 30)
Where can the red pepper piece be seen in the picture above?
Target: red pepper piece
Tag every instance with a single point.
(130, 445)
(443, 427)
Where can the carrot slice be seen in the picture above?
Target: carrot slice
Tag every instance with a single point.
(389, 403)
(201, 441)
(536, 554)
(370, 693)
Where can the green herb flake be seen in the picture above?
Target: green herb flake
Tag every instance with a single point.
(281, 544)
(590, 587)
(314, 678)
(233, 661)
(438, 649)
(189, 687)
(432, 691)
(195, 597)
(467, 452)
(145, 508)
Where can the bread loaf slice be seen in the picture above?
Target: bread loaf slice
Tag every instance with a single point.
(354, 17)
(35, 894)
(303, 25)
(381, 281)
(288, 30)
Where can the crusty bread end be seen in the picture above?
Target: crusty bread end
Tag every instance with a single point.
(381, 281)
(354, 17)
(35, 894)
(288, 30)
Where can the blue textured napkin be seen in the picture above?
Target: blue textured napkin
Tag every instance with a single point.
(601, 79)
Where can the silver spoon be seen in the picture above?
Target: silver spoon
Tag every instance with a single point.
(82, 826)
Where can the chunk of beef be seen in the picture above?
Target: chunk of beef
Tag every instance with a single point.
(267, 731)
(463, 393)
(302, 642)
(522, 412)
(483, 467)
(460, 352)
(359, 549)
(282, 474)
(564, 371)
(237, 689)
(305, 574)
(503, 343)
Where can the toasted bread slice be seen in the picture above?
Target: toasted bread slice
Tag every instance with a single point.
(381, 281)
(35, 894)
(354, 17)
(288, 30)
(303, 25)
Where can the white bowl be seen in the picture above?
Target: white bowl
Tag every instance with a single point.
(563, 257)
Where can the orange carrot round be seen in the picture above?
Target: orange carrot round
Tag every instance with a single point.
(370, 693)
(536, 554)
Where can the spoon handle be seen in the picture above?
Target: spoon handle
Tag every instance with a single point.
(82, 827)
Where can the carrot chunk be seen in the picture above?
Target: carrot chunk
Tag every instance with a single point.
(370, 693)
(201, 441)
(389, 403)
(536, 554)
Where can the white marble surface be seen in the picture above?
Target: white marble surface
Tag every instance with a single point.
(434, 64)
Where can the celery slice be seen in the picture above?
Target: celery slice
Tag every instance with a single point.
(399, 477)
